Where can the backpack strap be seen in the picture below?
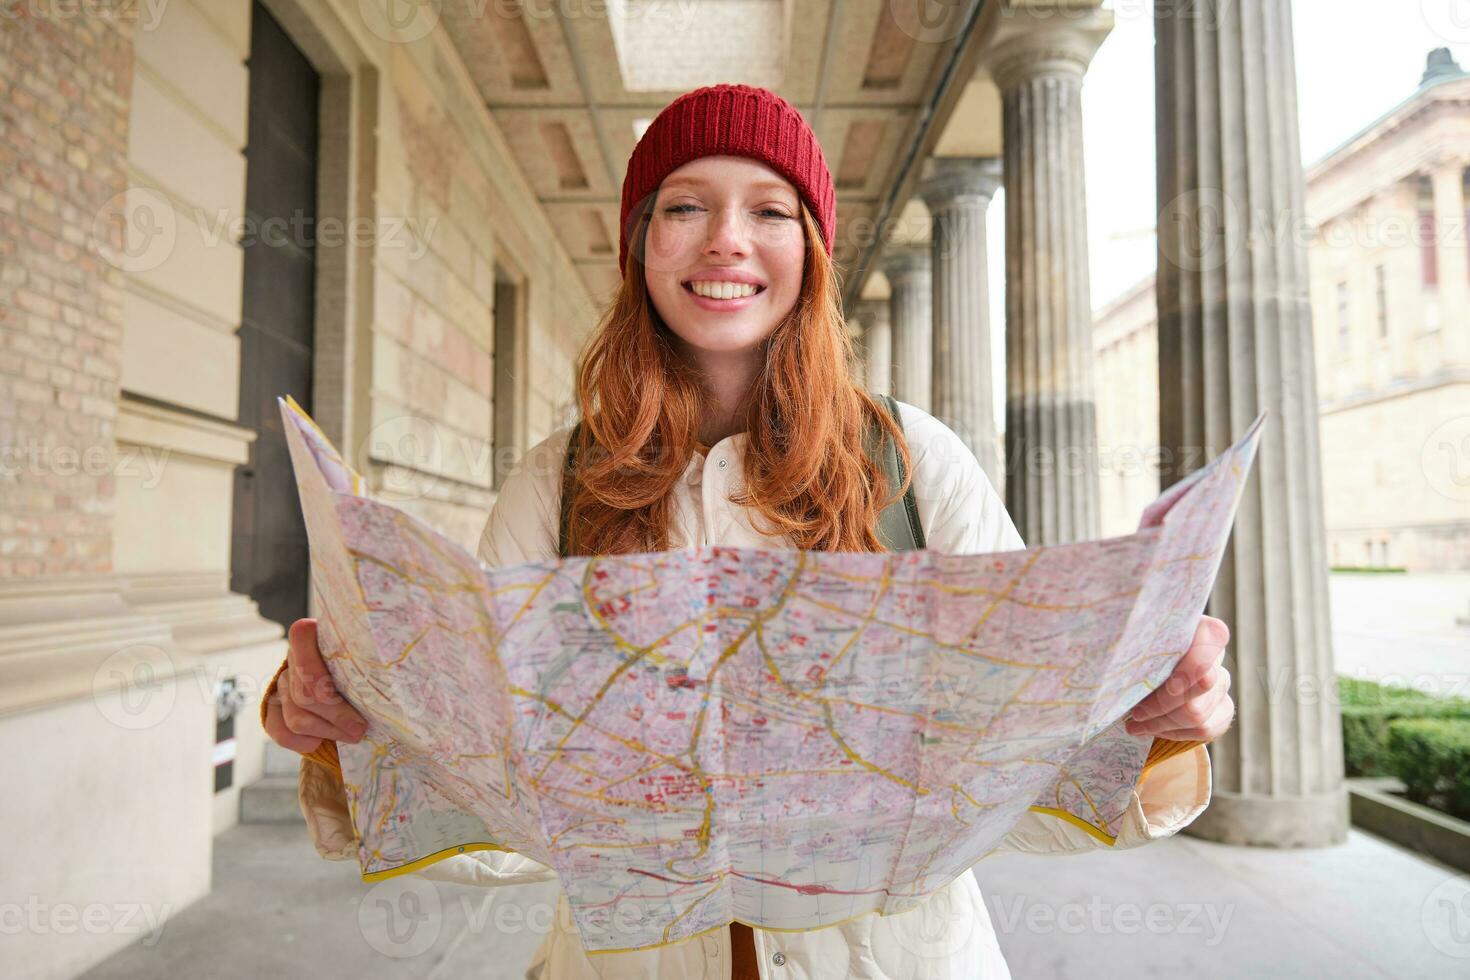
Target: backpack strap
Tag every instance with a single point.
(899, 527)
(567, 485)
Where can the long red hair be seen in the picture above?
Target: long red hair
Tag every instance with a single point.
(807, 474)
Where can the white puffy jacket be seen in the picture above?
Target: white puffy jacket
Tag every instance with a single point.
(950, 935)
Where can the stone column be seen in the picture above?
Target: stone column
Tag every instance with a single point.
(1235, 338)
(873, 314)
(1448, 180)
(1038, 59)
(958, 192)
(911, 313)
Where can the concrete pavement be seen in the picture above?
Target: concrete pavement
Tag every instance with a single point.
(1181, 907)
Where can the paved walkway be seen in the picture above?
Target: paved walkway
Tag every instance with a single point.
(1179, 908)
(1401, 629)
(279, 911)
(1190, 908)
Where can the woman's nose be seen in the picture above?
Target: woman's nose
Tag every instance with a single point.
(729, 232)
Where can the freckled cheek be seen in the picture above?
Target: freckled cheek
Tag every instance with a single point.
(669, 246)
(790, 260)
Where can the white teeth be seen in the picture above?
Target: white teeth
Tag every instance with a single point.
(723, 290)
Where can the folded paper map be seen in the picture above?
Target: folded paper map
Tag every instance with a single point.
(788, 738)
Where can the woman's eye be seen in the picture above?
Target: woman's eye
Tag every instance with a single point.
(686, 208)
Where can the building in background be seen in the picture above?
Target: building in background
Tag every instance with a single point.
(1390, 294)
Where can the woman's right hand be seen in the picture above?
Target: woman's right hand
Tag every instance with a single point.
(306, 706)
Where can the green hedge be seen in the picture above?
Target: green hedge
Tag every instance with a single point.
(1367, 711)
(1432, 757)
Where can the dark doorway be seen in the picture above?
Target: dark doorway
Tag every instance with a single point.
(506, 362)
(268, 555)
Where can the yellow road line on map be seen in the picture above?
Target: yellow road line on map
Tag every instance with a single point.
(939, 644)
(585, 823)
(630, 743)
(694, 905)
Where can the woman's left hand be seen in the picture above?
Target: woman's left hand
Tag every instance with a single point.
(1193, 704)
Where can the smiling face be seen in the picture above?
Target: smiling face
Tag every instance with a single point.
(724, 254)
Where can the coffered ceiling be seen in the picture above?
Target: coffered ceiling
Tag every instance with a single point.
(572, 84)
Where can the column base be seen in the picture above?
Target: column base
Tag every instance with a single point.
(1274, 821)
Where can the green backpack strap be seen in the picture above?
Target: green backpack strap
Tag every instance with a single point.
(899, 527)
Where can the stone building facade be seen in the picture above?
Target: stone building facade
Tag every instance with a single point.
(1390, 297)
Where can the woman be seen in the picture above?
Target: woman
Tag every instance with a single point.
(719, 410)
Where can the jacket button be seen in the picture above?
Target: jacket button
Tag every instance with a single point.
(778, 958)
(722, 464)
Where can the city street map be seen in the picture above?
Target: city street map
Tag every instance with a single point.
(788, 738)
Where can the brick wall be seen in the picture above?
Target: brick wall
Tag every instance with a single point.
(444, 172)
(65, 79)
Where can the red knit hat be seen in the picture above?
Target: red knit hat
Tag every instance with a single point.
(738, 120)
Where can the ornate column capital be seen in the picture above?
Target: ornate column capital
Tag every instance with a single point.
(869, 312)
(1048, 39)
(951, 181)
(902, 262)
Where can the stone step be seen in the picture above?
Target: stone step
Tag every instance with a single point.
(280, 761)
(270, 800)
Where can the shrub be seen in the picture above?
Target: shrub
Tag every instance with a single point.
(1367, 711)
(1432, 757)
